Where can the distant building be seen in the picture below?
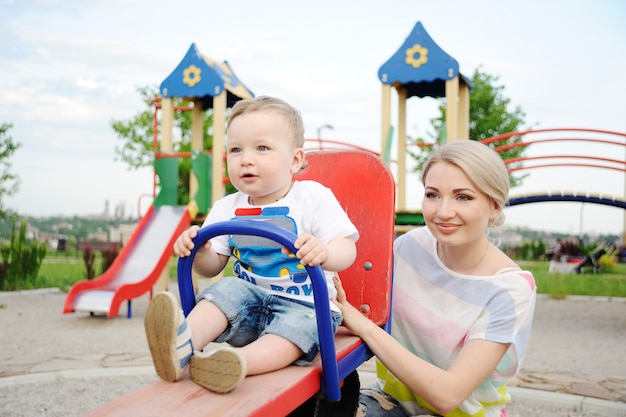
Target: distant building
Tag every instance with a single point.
(121, 233)
(120, 210)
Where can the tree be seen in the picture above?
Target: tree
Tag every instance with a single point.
(9, 182)
(137, 151)
(20, 260)
(489, 116)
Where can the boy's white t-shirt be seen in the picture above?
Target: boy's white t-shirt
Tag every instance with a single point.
(308, 207)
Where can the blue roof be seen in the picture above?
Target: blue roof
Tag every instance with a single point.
(198, 76)
(420, 66)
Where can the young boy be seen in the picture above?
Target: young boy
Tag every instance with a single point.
(265, 312)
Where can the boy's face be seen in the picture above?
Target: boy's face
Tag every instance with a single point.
(262, 156)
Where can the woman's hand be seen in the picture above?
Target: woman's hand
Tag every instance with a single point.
(353, 319)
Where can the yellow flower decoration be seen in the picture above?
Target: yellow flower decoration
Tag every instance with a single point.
(191, 75)
(416, 56)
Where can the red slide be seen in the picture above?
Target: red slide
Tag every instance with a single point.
(137, 267)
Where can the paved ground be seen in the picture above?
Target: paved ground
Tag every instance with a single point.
(53, 364)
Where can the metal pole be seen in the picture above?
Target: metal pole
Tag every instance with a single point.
(319, 133)
(580, 234)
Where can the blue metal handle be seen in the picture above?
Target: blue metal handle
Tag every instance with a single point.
(330, 374)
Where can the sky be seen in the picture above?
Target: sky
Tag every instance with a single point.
(69, 68)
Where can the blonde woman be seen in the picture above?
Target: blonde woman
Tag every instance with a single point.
(462, 309)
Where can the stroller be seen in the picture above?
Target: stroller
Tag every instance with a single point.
(593, 258)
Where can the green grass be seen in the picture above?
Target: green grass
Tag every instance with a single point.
(62, 272)
(609, 284)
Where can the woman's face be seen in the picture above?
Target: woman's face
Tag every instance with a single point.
(455, 211)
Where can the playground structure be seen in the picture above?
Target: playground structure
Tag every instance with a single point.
(142, 262)
(419, 68)
(615, 140)
(367, 283)
(208, 84)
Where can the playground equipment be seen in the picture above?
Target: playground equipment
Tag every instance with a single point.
(208, 84)
(367, 283)
(145, 256)
(137, 267)
(143, 260)
(616, 140)
(421, 68)
(537, 137)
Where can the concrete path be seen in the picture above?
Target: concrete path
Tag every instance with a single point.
(54, 364)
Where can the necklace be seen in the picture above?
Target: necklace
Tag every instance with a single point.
(477, 263)
(480, 260)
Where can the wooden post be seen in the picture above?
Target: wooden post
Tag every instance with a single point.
(464, 104)
(197, 140)
(167, 124)
(452, 109)
(219, 135)
(166, 145)
(401, 188)
(386, 117)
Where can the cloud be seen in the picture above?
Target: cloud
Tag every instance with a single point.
(70, 67)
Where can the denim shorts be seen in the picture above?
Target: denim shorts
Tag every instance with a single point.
(252, 312)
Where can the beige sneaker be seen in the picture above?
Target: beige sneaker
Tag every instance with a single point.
(220, 370)
(169, 337)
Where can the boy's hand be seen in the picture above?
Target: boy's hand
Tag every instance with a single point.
(184, 244)
(311, 251)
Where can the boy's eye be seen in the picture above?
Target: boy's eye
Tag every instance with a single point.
(235, 150)
(262, 148)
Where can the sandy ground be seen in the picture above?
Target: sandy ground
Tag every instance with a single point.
(573, 336)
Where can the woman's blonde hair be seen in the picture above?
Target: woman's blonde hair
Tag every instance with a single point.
(483, 167)
(293, 117)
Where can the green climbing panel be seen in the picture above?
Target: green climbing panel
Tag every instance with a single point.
(202, 164)
(167, 171)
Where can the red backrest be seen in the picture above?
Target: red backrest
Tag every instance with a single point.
(365, 187)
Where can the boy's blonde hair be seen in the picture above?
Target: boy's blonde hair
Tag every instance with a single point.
(483, 167)
(294, 119)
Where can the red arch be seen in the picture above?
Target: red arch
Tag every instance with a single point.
(566, 165)
(611, 164)
(508, 146)
(594, 158)
(566, 129)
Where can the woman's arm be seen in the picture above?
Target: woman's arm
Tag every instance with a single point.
(441, 388)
